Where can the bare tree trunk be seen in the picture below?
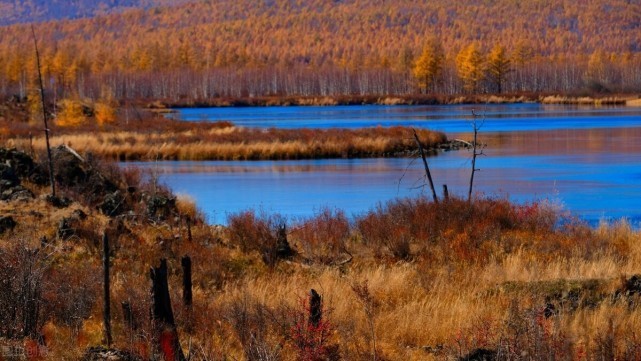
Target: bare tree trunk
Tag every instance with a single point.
(427, 168)
(166, 335)
(475, 153)
(106, 313)
(44, 114)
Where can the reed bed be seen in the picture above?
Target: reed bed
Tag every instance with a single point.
(236, 143)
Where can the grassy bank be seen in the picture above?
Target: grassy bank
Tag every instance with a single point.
(160, 138)
(409, 280)
(418, 99)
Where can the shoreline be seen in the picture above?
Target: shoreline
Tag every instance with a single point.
(164, 107)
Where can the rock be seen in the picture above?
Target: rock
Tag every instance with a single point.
(23, 166)
(79, 214)
(100, 353)
(480, 354)
(17, 193)
(7, 223)
(68, 226)
(68, 168)
(632, 285)
(113, 204)
(65, 228)
(161, 206)
(74, 173)
(58, 202)
(8, 178)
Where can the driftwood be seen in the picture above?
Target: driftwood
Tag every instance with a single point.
(165, 332)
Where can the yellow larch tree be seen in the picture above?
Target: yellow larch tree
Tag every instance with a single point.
(71, 113)
(469, 65)
(498, 66)
(428, 66)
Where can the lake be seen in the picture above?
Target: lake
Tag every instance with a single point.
(584, 159)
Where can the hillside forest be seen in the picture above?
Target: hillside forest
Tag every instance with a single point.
(195, 51)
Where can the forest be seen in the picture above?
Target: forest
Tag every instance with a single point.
(202, 50)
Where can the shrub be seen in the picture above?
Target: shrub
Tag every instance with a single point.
(323, 237)
(262, 233)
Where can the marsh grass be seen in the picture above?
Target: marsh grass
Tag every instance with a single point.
(521, 281)
(232, 143)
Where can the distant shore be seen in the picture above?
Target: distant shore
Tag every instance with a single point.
(161, 106)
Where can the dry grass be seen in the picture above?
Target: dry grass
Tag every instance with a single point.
(464, 277)
(232, 143)
(559, 99)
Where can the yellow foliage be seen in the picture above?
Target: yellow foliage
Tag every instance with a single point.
(469, 64)
(429, 64)
(105, 113)
(34, 105)
(71, 113)
(498, 66)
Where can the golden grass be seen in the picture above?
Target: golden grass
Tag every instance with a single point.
(241, 143)
(478, 282)
(559, 99)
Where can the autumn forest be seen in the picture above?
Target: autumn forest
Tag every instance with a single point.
(206, 49)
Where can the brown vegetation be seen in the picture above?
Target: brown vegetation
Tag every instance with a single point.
(409, 280)
(159, 138)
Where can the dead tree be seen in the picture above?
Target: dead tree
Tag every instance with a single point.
(427, 168)
(187, 286)
(44, 114)
(106, 314)
(476, 151)
(165, 332)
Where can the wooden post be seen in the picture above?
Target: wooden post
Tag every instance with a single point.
(106, 313)
(166, 335)
(187, 294)
(427, 168)
(283, 249)
(446, 193)
(315, 308)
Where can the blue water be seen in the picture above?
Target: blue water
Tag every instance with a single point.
(447, 118)
(586, 160)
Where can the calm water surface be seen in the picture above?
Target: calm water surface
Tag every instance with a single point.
(586, 160)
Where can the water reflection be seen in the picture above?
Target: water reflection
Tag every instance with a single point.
(449, 118)
(584, 157)
(593, 172)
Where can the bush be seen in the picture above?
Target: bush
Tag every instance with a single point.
(262, 233)
(323, 237)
